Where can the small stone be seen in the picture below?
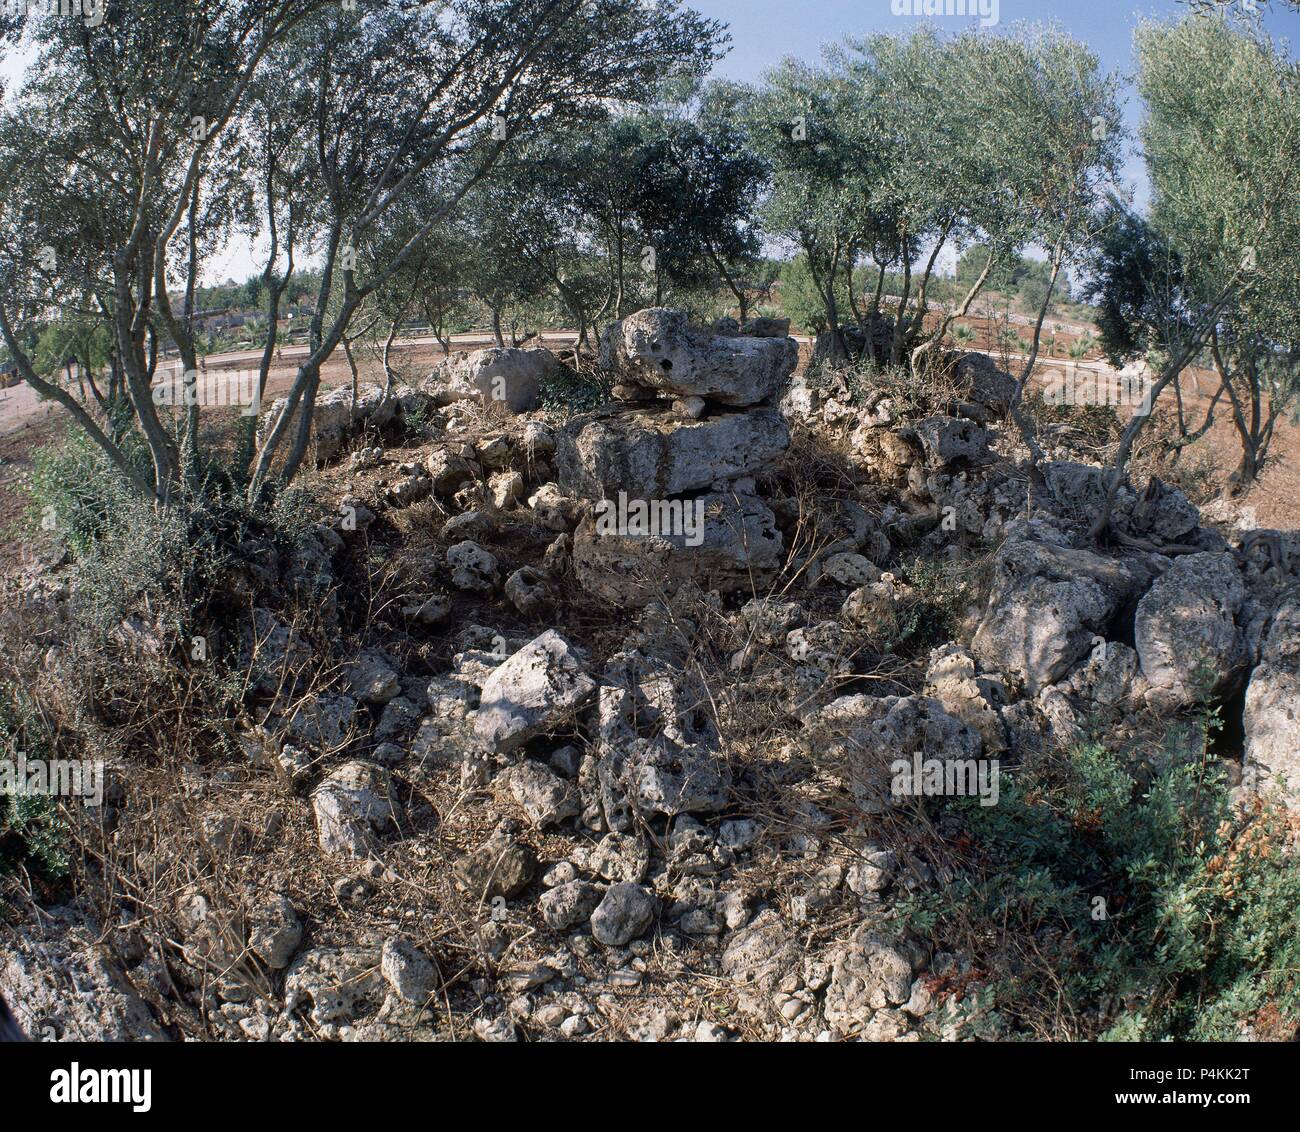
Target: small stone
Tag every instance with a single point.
(498, 1029)
(627, 911)
(408, 971)
(562, 872)
(734, 909)
(573, 1026)
(739, 833)
(851, 570)
(275, 932)
(566, 761)
(501, 866)
(528, 589)
(546, 798)
(473, 524)
(473, 568)
(507, 489)
(569, 904)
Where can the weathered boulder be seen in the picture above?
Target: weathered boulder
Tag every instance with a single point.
(536, 690)
(869, 973)
(506, 489)
(65, 983)
(739, 548)
(353, 805)
(652, 454)
(529, 591)
(512, 378)
(372, 678)
(658, 751)
(554, 510)
(757, 958)
(1110, 677)
(409, 490)
(542, 794)
(1046, 605)
(661, 776)
(974, 699)
(948, 441)
(981, 382)
(656, 349)
(863, 736)
(448, 470)
(502, 866)
(852, 570)
(473, 569)
(1186, 629)
(762, 327)
(335, 418)
(338, 984)
(1272, 715)
(769, 620)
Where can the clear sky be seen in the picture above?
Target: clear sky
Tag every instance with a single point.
(765, 31)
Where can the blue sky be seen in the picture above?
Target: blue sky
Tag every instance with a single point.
(765, 31)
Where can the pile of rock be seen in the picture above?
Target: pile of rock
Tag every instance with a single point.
(670, 465)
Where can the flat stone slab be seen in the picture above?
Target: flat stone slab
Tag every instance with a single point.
(658, 350)
(653, 453)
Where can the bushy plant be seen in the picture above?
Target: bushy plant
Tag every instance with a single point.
(32, 831)
(570, 392)
(1109, 900)
(128, 550)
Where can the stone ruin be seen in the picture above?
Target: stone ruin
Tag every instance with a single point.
(671, 464)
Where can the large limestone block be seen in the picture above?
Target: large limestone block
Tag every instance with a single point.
(741, 549)
(509, 377)
(658, 350)
(652, 454)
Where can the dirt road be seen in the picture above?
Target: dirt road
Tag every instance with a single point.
(26, 422)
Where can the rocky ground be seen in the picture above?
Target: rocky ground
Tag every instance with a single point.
(499, 771)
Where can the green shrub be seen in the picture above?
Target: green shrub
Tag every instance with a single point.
(32, 831)
(1107, 900)
(570, 392)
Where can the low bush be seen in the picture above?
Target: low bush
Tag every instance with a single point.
(1105, 899)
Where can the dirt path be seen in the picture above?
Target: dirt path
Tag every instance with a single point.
(27, 423)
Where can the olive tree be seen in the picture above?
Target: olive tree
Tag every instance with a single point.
(137, 127)
(1062, 145)
(797, 123)
(1224, 160)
